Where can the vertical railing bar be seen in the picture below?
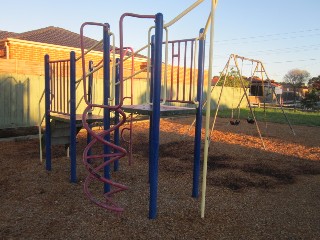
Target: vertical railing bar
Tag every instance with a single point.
(53, 90)
(73, 146)
(47, 112)
(64, 84)
(191, 71)
(61, 87)
(172, 70)
(68, 88)
(57, 88)
(178, 73)
(51, 84)
(185, 69)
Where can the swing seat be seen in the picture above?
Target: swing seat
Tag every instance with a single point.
(250, 120)
(234, 122)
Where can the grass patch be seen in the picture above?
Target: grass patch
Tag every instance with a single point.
(276, 116)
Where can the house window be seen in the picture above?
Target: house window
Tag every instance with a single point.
(256, 90)
(2, 53)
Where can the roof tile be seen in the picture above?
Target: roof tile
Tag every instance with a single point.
(56, 36)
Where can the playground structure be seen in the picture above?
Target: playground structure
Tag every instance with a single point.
(182, 87)
(256, 69)
(58, 73)
(61, 121)
(149, 109)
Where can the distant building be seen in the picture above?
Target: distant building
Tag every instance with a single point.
(288, 92)
(31, 46)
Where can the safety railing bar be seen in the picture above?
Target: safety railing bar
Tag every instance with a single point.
(82, 97)
(165, 78)
(84, 74)
(121, 47)
(113, 74)
(181, 40)
(89, 73)
(184, 71)
(203, 35)
(77, 85)
(178, 71)
(95, 69)
(90, 49)
(132, 75)
(40, 120)
(61, 77)
(182, 14)
(149, 64)
(136, 52)
(194, 93)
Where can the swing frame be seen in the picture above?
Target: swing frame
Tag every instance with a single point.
(258, 68)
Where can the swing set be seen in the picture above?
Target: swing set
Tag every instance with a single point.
(257, 71)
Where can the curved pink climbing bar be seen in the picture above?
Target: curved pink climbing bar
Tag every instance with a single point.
(92, 162)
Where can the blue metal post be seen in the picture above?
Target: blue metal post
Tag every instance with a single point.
(198, 126)
(73, 127)
(90, 101)
(47, 112)
(106, 96)
(116, 116)
(154, 157)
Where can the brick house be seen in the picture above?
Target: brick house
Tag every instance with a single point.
(22, 60)
(22, 69)
(31, 46)
(288, 92)
(262, 89)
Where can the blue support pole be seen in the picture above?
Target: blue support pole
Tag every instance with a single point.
(198, 126)
(154, 157)
(73, 127)
(90, 101)
(47, 112)
(106, 96)
(116, 116)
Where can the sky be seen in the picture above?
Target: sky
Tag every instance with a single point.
(282, 34)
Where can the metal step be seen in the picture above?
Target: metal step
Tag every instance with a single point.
(60, 140)
(60, 133)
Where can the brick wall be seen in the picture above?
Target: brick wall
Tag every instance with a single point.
(34, 53)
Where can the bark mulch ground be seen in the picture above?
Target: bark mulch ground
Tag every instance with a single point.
(252, 193)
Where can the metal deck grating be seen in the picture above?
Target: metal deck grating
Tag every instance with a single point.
(146, 109)
(66, 118)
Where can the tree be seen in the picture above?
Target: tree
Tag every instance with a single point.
(233, 79)
(314, 83)
(296, 78)
(310, 100)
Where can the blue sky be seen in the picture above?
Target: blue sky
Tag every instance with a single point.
(283, 34)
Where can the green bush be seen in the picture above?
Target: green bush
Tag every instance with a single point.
(310, 100)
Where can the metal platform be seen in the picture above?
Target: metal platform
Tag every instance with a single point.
(146, 109)
(66, 118)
